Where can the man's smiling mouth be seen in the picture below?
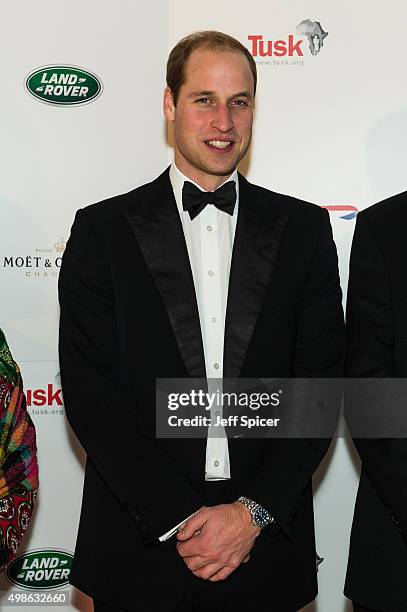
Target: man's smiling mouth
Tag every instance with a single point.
(219, 144)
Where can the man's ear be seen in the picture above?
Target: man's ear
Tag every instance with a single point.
(168, 105)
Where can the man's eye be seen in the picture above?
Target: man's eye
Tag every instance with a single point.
(203, 101)
(239, 103)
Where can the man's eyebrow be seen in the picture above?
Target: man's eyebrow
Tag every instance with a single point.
(195, 94)
(241, 94)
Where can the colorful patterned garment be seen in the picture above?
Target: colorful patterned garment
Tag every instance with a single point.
(18, 462)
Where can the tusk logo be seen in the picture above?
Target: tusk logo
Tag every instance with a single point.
(289, 49)
(315, 34)
(41, 569)
(63, 85)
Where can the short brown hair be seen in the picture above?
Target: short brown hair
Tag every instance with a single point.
(209, 39)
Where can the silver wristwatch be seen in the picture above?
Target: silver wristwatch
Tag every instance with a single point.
(260, 516)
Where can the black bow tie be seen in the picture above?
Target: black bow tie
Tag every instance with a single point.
(194, 200)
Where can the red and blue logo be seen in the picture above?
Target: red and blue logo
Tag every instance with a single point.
(351, 211)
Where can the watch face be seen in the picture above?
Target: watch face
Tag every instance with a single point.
(261, 517)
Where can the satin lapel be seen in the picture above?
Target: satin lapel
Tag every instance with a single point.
(158, 229)
(255, 250)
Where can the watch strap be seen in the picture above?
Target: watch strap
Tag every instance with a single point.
(260, 516)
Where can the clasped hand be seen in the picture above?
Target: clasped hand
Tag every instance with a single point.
(216, 540)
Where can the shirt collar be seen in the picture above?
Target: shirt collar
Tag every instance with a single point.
(178, 179)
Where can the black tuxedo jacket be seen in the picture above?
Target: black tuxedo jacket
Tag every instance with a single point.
(128, 316)
(377, 348)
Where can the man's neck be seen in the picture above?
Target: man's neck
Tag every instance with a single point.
(207, 182)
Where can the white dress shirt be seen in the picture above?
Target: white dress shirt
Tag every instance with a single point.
(209, 239)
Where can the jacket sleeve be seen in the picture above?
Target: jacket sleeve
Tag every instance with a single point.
(319, 353)
(142, 477)
(370, 354)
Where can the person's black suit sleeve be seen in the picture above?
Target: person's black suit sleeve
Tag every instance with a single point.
(124, 452)
(280, 484)
(370, 353)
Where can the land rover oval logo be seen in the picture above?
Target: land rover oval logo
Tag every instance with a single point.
(41, 569)
(63, 85)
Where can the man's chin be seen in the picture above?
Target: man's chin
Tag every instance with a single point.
(221, 170)
(222, 167)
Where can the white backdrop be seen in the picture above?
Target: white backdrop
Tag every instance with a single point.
(329, 128)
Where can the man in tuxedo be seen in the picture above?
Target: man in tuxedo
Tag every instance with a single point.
(196, 274)
(377, 349)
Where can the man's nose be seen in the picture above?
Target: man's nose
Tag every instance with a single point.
(222, 118)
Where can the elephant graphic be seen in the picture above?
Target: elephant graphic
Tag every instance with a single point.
(314, 32)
